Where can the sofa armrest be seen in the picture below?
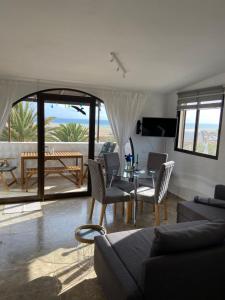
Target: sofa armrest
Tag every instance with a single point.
(195, 275)
(219, 192)
(112, 274)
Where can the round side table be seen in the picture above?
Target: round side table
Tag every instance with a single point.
(86, 233)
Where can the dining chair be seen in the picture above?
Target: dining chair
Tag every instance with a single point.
(107, 147)
(6, 167)
(157, 196)
(154, 163)
(105, 195)
(112, 168)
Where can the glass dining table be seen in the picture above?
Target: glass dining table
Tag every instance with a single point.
(139, 178)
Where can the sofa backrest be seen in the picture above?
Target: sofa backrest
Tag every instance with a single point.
(219, 192)
(188, 275)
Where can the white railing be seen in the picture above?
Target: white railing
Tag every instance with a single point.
(14, 149)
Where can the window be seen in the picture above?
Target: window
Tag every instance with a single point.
(200, 118)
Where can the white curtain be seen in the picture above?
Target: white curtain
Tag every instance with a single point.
(123, 110)
(11, 91)
(8, 90)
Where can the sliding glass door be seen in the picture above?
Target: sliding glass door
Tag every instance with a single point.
(67, 131)
(45, 146)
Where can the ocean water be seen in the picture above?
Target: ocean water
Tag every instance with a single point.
(202, 126)
(85, 122)
(190, 129)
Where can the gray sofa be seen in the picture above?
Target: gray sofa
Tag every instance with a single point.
(192, 211)
(126, 271)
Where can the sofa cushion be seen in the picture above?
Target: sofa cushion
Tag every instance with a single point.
(219, 192)
(191, 211)
(133, 247)
(199, 236)
(210, 201)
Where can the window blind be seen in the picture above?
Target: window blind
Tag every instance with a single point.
(202, 98)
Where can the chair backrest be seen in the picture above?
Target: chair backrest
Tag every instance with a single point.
(98, 188)
(112, 165)
(163, 180)
(155, 160)
(107, 147)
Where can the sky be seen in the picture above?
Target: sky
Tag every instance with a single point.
(65, 112)
(207, 116)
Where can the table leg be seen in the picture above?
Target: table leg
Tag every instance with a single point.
(128, 211)
(135, 198)
(82, 170)
(22, 171)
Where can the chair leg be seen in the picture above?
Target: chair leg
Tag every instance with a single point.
(122, 208)
(142, 205)
(92, 208)
(157, 215)
(102, 214)
(14, 177)
(129, 211)
(165, 210)
(84, 176)
(4, 182)
(114, 209)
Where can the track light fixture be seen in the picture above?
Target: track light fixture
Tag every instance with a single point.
(119, 64)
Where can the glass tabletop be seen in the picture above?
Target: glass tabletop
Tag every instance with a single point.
(142, 173)
(142, 176)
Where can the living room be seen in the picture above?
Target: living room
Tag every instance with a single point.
(112, 149)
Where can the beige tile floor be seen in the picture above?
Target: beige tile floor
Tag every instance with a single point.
(53, 185)
(39, 257)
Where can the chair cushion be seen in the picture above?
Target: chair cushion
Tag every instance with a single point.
(191, 211)
(146, 182)
(113, 194)
(123, 185)
(199, 236)
(145, 193)
(132, 247)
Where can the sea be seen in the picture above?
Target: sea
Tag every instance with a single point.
(202, 126)
(85, 122)
(190, 129)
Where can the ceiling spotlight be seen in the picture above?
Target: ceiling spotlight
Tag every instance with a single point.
(120, 66)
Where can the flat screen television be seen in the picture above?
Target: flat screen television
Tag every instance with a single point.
(164, 127)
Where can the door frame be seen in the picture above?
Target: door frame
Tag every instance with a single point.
(87, 98)
(67, 99)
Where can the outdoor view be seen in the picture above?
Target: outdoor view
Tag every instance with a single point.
(66, 147)
(207, 130)
(63, 123)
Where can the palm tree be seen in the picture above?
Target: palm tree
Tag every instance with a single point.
(71, 132)
(23, 124)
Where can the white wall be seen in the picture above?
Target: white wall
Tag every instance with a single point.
(155, 107)
(195, 175)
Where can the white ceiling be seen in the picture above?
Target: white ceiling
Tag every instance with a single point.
(164, 44)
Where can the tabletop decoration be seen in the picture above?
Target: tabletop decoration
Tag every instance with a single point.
(128, 166)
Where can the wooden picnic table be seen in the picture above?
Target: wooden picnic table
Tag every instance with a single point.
(58, 156)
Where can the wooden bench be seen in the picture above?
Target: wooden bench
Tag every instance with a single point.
(75, 171)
